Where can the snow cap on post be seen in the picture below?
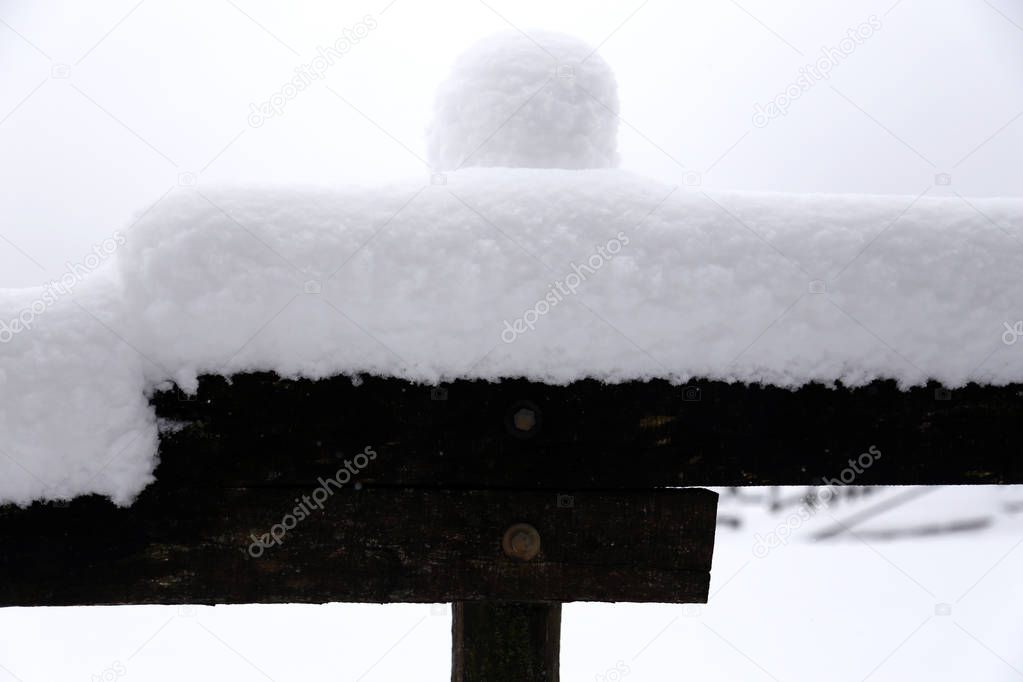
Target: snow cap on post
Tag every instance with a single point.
(542, 100)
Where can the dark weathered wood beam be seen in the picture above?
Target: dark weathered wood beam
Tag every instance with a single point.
(505, 642)
(183, 545)
(262, 430)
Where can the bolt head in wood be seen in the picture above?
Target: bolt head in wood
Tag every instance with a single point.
(524, 419)
(521, 541)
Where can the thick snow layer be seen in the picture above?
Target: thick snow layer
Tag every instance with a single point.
(73, 411)
(548, 274)
(476, 278)
(542, 101)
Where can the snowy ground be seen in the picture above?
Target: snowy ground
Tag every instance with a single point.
(940, 607)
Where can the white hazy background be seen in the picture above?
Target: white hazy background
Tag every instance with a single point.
(106, 106)
(158, 89)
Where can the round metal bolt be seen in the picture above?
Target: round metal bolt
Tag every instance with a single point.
(524, 419)
(521, 541)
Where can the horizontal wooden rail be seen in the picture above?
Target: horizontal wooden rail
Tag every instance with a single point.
(262, 430)
(180, 545)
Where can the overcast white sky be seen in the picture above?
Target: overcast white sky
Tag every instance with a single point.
(104, 106)
(156, 89)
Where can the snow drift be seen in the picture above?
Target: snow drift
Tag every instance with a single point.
(543, 101)
(547, 274)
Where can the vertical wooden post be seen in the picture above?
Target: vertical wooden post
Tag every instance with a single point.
(505, 642)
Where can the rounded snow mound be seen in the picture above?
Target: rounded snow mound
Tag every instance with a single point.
(545, 100)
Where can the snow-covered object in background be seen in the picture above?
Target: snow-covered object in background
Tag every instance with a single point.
(542, 101)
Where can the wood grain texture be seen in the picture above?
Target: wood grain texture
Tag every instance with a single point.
(262, 430)
(181, 546)
(505, 642)
(458, 464)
